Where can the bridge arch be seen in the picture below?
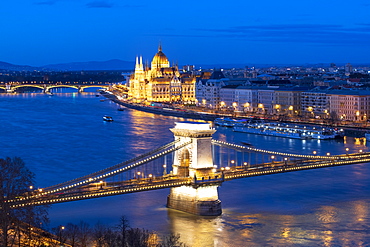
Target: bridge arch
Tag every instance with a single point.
(185, 158)
(14, 88)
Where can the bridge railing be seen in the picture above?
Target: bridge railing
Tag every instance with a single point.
(106, 173)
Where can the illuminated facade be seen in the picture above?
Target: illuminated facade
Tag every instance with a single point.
(160, 82)
(350, 105)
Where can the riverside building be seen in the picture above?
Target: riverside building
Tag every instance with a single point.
(161, 82)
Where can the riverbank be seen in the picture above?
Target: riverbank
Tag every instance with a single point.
(175, 112)
(206, 116)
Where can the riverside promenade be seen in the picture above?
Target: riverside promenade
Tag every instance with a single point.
(175, 112)
(349, 128)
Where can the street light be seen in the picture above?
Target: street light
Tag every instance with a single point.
(60, 234)
(164, 170)
(314, 152)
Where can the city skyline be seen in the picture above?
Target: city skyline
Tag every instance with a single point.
(41, 32)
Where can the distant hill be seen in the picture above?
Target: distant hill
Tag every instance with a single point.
(9, 66)
(114, 64)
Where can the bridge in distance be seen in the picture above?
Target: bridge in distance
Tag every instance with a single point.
(48, 87)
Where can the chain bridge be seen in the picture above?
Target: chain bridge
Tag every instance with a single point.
(193, 166)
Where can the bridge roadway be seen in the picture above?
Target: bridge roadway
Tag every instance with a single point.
(46, 87)
(103, 189)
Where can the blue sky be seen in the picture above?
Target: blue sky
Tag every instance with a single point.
(39, 32)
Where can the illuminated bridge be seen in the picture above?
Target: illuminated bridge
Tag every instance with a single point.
(47, 87)
(193, 166)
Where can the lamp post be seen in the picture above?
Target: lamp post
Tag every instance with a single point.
(285, 161)
(61, 228)
(232, 162)
(164, 170)
(245, 165)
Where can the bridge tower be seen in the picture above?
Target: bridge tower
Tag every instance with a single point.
(195, 161)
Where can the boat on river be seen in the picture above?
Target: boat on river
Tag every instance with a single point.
(285, 130)
(108, 118)
(228, 122)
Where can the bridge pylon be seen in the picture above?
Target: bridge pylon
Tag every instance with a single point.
(195, 161)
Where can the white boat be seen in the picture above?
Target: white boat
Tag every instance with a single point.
(229, 122)
(272, 129)
(289, 131)
(323, 134)
(107, 118)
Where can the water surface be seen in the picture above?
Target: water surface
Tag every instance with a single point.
(62, 137)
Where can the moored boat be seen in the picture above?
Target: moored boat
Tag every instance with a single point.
(271, 129)
(228, 122)
(289, 131)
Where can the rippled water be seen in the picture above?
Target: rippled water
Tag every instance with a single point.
(63, 137)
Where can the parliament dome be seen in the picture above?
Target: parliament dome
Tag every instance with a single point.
(160, 60)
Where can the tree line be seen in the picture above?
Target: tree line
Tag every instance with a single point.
(25, 226)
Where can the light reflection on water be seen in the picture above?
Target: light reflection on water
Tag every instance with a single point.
(63, 137)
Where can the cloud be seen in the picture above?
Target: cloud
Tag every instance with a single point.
(294, 33)
(100, 4)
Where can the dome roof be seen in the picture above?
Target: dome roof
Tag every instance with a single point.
(160, 60)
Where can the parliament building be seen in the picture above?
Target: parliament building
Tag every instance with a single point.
(160, 82)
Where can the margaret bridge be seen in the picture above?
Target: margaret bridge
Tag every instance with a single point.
(193, 166)
(47, 87)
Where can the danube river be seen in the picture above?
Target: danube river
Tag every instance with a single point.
(62, 137)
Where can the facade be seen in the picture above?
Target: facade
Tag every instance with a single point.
(160, 82)
(247, 98)
(314, 103)
(208, 90)
(349, 105)
(229, 97)
(266, 100)
(288, 101)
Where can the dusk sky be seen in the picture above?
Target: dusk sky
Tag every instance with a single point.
(40, 32)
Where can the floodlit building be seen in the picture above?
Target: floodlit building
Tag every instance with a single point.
(161, 82)
(208, 90)
(351, 105)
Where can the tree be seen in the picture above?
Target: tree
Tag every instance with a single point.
(15, 180)
(84, 234)
(71, 233)
(123, 226)
(172, 240)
